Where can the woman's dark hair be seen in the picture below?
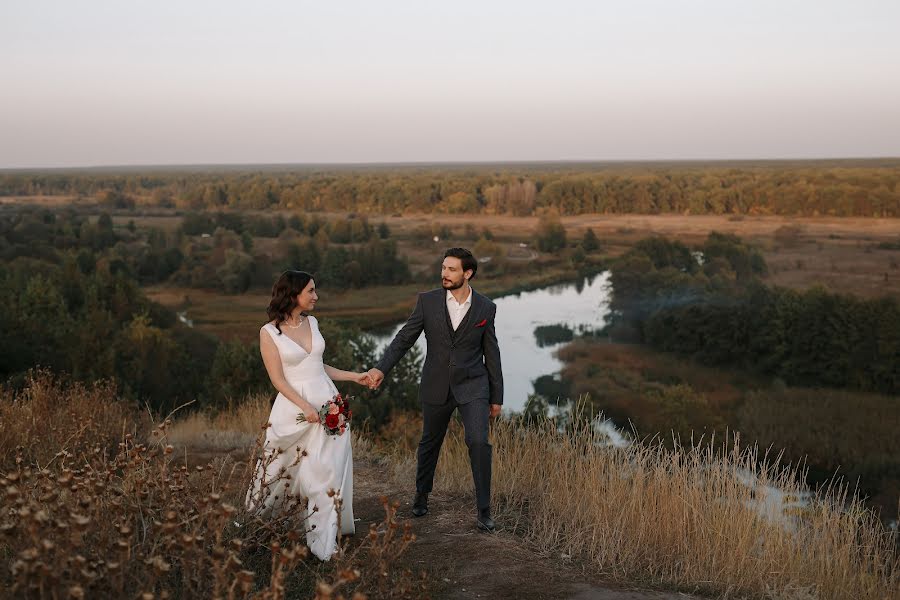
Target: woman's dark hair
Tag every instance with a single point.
(284, 295)
(469, 263)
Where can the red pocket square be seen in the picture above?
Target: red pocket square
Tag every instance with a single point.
(482, 324)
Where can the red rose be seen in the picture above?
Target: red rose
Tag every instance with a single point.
(331, 421)
(349, 414)
(342, 408)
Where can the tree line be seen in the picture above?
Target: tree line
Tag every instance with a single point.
(840, 188)
(710, 303)
(97, 324)
(210, 250)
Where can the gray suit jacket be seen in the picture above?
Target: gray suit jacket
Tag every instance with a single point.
(465, 361)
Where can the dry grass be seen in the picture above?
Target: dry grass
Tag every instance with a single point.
(80, 519)
(235, 427)
(87, 511)
(49, 417)
(682, 518)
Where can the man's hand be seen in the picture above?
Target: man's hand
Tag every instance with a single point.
(377, 377)
(495, 410)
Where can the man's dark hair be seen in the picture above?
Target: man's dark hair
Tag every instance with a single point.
(469, 263)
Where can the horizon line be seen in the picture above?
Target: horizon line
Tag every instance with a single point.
(438, 163)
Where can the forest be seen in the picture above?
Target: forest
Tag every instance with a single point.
(209, 251)
(866, 188)
(710, 304)
(71, 300)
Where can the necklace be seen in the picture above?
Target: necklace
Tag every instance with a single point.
(297, 326)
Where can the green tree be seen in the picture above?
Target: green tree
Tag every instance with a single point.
(236, 274)
(550, 234)
(237, 370)
(578, 256)
(144, 362)
(589, 241)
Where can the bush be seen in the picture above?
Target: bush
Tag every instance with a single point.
(550, 234)
(589, 241)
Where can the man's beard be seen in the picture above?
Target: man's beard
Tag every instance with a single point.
(451, 285)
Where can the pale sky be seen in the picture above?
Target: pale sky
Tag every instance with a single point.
(128, 82)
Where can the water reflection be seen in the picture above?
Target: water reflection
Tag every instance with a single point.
(551, 335)
(580, 306)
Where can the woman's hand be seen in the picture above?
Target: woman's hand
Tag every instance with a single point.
(361, 379)
(311, 414)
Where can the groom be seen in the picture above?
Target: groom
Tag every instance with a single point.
(462, 371)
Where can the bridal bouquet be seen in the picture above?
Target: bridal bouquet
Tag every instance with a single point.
(334, 415)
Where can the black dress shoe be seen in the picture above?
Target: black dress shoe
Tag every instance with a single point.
(485, 522)
(420, 505)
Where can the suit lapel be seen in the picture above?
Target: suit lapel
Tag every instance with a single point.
(474, 312)
(448, 326)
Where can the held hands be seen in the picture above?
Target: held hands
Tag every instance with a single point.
(362, 379)
(376, 378)
(371, 379)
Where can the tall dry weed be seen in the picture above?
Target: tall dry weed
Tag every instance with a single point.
(87, 511)
(683, 518)
(50, 416)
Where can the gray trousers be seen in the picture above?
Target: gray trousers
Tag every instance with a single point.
(475, 417)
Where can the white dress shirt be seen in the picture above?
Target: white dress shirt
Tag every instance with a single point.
(458, 311)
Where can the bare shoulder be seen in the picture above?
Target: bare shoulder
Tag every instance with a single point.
(266, 330)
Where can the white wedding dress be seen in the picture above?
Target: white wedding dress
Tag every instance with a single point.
(328, 462)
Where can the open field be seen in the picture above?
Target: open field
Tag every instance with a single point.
(38, 200)
(839, 253)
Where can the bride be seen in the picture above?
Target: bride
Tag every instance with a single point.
(300, 458)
